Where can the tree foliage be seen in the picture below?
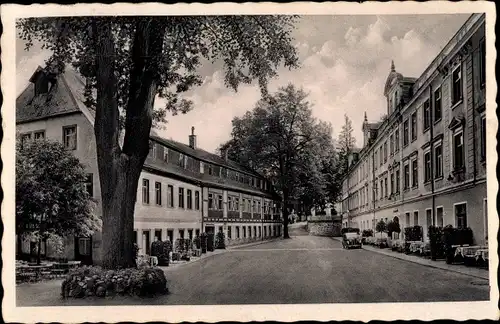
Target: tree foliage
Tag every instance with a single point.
(51, 194)
(281, 139)
(381, 226)
(130, 61)
(346, 143)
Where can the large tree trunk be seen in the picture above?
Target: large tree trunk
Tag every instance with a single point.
(39, 252)
(120, 170)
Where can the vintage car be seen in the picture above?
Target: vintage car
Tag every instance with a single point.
(351, 240)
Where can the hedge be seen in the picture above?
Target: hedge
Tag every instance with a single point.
(94, 281)
(220, 241)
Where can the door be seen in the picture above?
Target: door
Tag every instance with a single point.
(146, 242)
(210, 229)
(170, 234)
(83, 250)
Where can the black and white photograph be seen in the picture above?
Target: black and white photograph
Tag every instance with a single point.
(305, 161)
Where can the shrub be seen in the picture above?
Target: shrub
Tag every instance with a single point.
(204, 239)
(220, 241)
(95, 281)
(436, 240)
(210, 242)
(367, 233)
(393, 227)
(161, 250)
(197, 242)
(413, 233)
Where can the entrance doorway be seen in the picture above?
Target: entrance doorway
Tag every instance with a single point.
(83, 250)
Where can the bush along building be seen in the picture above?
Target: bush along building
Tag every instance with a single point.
(183, 190)
(425, 163)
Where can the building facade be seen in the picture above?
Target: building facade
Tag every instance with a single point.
(183, 190)
(425, 163)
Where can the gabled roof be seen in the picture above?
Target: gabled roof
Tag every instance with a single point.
(58, 100)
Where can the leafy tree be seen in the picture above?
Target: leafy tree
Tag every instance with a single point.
(393, 227)
(51, 195)
(280, 139)
(381, 226)
(128, 62)
(346, 143)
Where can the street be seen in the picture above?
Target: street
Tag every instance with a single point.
(303, 269)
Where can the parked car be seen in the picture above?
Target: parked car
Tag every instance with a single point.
(351, 240)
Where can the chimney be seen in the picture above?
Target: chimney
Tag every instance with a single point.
(192, 139)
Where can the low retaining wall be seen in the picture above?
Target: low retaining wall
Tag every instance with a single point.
(323, 226)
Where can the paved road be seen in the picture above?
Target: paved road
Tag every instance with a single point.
(304, 269)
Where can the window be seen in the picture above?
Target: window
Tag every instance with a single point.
(427, 115)
(414, 173)
(396, 140)
(461, 215)
(391, 140)
(189, 199)
(407, 216)
(381, 188)
(165, 155)
(210, 170)
(255, 231)
(25, 137)
(260, 231)
(244, 231)
(406, 176)
(158, 234)
(211, 202)
(385, 151)
(428, 217)
(237, 232)
(458, 151)
(181, 233)
(456, 95)
(158, 193)
(89, 184)
(415, 218)
(385, 186)
(145, 191)
(197, 200)
(170, 196)
(237, 204)
(39, 135)
(181, 197)
(69, 137)
(219, 202)
(229, 232)
(483, 138)
(375, 164)
(438, 156)
(397, 181)
(392, 183)
(190, 234)
(405, 133)
(439, 216)
(414, 126)
(437, 105)
(482, 63)
(427, 166)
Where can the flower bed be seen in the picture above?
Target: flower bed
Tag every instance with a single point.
(95, 281)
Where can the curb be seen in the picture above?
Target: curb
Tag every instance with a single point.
(436, 266)
(221, 251)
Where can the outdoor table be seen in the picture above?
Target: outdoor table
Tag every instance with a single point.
(468, 251)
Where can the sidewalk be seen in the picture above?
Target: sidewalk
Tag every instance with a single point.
(469, 271)
(176, 264)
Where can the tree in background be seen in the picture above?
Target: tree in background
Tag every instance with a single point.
(51, 194)
(129, 61)
(381, 226)
(345, 144)
(281, 140)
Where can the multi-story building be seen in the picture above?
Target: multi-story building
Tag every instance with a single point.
(183, 190)
(425, 163)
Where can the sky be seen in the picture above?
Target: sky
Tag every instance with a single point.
(344, 60)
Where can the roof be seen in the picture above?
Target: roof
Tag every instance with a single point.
(203, 155)
(67, 97)
(58, 100)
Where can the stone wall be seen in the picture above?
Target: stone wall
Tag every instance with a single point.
(323, 226)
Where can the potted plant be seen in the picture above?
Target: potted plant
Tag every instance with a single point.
(381, 228)
(436, 241)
